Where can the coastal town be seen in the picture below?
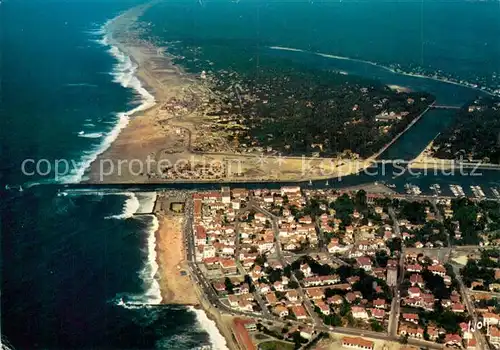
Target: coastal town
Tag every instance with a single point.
(303, 268)
(250, 175)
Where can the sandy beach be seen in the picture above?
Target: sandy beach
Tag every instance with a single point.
(399, 88)
(175, 283)
(426, 161)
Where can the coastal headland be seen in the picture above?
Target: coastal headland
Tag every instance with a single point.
(427, 161)
(178, 134)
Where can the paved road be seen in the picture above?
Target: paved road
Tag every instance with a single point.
(396, 301)
(481, 341)
(330, 255)
(274, 222)
(495, 294)
(213, 298)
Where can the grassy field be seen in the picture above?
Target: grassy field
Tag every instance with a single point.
(276, 345)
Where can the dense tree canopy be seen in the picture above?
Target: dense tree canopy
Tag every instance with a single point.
(474, 134)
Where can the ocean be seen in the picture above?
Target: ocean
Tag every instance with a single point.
(78, 270)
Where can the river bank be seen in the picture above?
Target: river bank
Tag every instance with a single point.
(425, 160)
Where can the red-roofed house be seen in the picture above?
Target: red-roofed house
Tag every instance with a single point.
(281, 311)
(411, 318)
(414, 268)
(458, 307)
(379, 303)
(315, 293)
(414, 292)
(417, 279)
(336, 300)
(357, 343)
(201, 235)
(228, 265)
(491, 318)
(325, 309)
(292, 295)
(433, 333)
(359, 312)
(452, 339)
(364, 263)
(299, 312)
(377, 313)
(437, 270)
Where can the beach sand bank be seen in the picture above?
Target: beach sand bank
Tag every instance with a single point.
(175, 283)
(425, 161)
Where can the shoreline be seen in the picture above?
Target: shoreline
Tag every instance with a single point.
(424, 161)
(143, 117)
(392, 70)
(125, 74)
(174, 278)
(151, 133)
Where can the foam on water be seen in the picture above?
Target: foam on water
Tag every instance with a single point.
(131, 304)
(92, 135)
(216, 338)
(124, 74)
(152, 294)
(130, 207)
(4, 343)
(81, 85)
(147, 202)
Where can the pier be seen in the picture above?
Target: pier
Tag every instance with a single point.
(444, 107)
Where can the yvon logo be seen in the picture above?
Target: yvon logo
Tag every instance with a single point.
(473, 326)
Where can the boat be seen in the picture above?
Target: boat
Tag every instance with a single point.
(412, 189)
(19, 188)
(436, 188)
(495, 192)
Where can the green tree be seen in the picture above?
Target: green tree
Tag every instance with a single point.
(360, 199)
(229, 285)
(376, 326)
